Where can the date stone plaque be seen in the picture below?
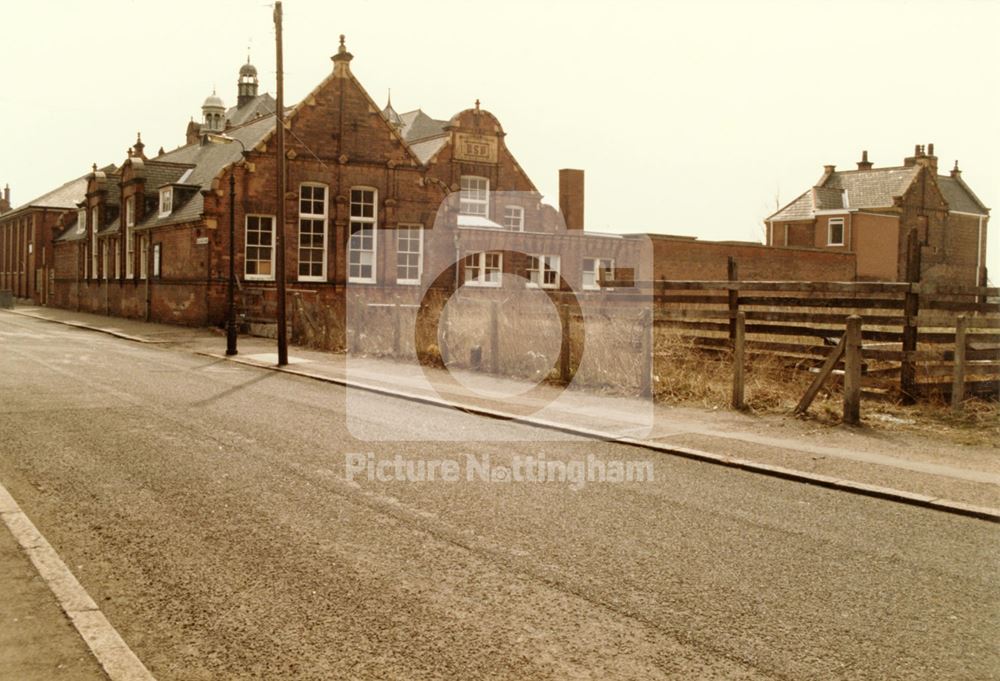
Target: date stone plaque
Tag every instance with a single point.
(475, 148)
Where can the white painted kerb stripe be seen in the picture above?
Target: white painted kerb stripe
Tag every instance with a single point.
(118, 660)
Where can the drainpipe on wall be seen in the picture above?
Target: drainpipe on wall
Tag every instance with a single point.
(979, 254)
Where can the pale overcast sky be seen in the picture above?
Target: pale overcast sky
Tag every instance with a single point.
(688, 117)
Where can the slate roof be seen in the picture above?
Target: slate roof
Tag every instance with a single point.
(426, 149)
(205, 162)
(874, 188)
(259, 106)
(419, 126)
(65, 196)
(960, 197)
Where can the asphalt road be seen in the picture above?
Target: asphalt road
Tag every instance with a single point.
(205, 507)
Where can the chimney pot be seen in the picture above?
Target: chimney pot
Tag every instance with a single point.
(864, 163)
(930, 149)
(571, 197)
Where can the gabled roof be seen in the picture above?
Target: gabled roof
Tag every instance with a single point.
(65, 196)
(205, 161)
(849, 189)
(874, 188)
(959, 197)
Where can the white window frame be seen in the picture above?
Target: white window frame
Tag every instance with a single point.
(829, 231)
(166, 201)
(105, 270)
(130, 211)
(364, 223)
(408, 230)
(144, 257)
(157, 254)
(247, 276)
(539, 267)
(474, 200)
(477, 271)
(129, 252)
(313, 217)
(598, 265)
(517, 218)
(81, 220)
(116, 255)
(94, 222)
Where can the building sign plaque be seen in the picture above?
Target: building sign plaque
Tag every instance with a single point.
(475, 148)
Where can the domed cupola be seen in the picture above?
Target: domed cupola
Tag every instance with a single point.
(247, 85)
(214, 113)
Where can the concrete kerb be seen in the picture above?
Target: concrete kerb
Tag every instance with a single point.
(815, 479)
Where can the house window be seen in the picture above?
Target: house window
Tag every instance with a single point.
(93, 243)
(513, 218)
(116, 256)
(156, 261)
(474, 196)
(166, 201)
(596, 269)
(543, 271)
(483, 269)
(409, 247)
(81, 221)
(130, 211)
(104, 260)
(835, 232)
(144, 256)
(312, 232)
(361, 245)
(129, 252)
(259, 260)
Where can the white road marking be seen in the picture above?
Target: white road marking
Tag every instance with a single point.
(104, 641)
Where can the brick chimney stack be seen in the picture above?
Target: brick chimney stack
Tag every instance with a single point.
(571, 197)
(5, 199)
(955, 172)
(864, 163)
(923, 157)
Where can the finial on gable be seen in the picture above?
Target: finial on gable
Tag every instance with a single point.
(477, 105)
(341, 60)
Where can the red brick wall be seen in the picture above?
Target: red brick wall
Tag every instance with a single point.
(681, 259)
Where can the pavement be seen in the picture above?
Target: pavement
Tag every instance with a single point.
(913, 467)
(225, 543)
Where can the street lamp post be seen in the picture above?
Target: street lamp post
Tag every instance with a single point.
(231, 287)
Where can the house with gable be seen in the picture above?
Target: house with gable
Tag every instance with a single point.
(871, 212)
(364, 188)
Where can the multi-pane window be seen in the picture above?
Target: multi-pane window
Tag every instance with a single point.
(312, 232)
(144, 256)
(130, 211)
(93, 243)
(483, 269)
(474, 196)
(543, 271)
(513, 218)
(81, 221)
(259, 260)
(129, 252)
(166, 201)
(116, 256)
(595, 270)
(409, 247)
(104, 260)
(156, 260)
(835, 236)
(361, 245)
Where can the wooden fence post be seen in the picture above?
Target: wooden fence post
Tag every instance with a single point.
(852, 371)
(733, 274)
(911, 308)
(958, 379)
(646, 348)
(739, 360)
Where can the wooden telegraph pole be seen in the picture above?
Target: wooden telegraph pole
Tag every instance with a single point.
(280, 217)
